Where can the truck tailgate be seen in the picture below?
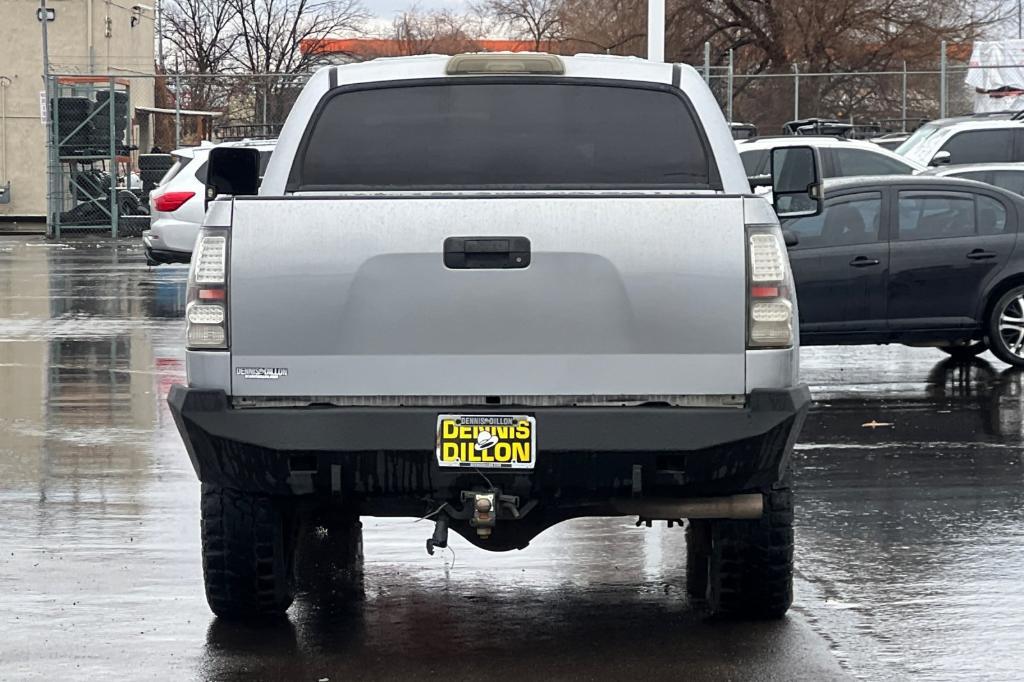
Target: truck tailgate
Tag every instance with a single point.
(634, 295)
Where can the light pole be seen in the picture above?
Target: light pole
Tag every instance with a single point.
(656, 30)
(51, 170)
(160, 35)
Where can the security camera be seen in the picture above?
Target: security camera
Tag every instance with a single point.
(137, 11)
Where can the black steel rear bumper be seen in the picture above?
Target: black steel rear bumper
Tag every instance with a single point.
(375, 457)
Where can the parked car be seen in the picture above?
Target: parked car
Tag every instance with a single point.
(743, 131)
(613, 337)
(1009, 176)
(818, 127)
(840, 157)
(983, 138)
(177, 206)
(918, 260)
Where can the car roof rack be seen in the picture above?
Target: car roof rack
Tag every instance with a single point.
(1005, 113)
(817, 126)
(790, 137)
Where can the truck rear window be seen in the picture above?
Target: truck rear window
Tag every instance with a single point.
(503, 135)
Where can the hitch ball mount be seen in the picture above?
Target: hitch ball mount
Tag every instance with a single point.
(481, 512)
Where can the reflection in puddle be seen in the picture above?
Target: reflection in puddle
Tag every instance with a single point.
(910, 538)
(919, 529)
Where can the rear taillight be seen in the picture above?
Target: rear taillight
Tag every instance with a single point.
(171, 201)
(206, 307)
(769, 289)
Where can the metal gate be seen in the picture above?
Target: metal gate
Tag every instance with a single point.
(91, 185)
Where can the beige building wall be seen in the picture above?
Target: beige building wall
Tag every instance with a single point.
(87, 37)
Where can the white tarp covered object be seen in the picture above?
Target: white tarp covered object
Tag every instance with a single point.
(996, 75)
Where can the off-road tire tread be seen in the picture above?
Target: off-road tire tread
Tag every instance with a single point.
(246, 562)
(751, 567)
(698, 549)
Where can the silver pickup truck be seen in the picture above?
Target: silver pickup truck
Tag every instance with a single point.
(498, 291)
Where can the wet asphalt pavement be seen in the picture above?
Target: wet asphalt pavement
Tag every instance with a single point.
(910, 493)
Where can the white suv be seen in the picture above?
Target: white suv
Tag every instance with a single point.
(840, 157)
(988, 138)
(177, 206)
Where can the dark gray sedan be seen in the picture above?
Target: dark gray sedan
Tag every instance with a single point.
(924, 261)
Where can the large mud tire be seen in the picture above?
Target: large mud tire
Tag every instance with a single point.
(750, 568)
(331, 542)
(698, 551)
(248, 549)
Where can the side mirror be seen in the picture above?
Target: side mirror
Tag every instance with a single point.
(796, 182)
(232, 170)
(791, 238)
(941, 159)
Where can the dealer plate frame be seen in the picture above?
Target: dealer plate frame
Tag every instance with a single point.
(492, 456)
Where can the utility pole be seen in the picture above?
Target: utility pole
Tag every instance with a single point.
(796, 92)
(656, 30)
(160, 35)
(44, 20)
(50, 100)
(942, 81)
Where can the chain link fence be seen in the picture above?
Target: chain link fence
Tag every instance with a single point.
(110, 137)
(874, 103)
(90, 153)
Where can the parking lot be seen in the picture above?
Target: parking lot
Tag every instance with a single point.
(910, 538)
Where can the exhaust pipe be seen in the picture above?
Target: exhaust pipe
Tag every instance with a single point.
(746, 506)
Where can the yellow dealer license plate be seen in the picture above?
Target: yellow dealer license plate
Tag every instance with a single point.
(495, 441)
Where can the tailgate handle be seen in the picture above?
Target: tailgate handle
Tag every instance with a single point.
(465, 253)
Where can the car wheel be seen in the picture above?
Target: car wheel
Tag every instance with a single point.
(750, 571)
(965, 351)
(1006, 327)
(248, 550)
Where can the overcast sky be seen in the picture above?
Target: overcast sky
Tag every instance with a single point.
(385, 10)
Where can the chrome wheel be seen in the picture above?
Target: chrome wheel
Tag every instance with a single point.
(1006, 327)
(1011, 325)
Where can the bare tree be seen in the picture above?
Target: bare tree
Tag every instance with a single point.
(839, 36)
(286, 37)
(201, 33)
(434, 32)
(539, 21)
(604, 26)
(272, 32)
(769, 37)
